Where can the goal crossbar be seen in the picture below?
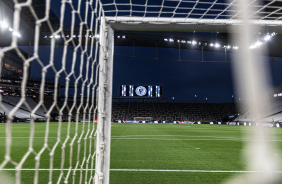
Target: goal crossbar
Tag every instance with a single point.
(183, 24)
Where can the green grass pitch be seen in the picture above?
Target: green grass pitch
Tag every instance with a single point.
(142, 153)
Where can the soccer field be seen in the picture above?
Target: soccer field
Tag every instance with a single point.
(142, 153)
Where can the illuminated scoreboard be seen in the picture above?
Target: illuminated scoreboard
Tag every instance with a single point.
(140, 91)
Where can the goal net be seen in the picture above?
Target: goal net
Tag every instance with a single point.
(71, 42)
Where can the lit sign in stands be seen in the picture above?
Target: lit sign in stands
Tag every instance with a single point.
(140, 91)
(279, 94)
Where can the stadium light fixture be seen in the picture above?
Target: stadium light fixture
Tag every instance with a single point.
(258, 43)
(183, 41)
(178, 41)
(165, 39)
(11, 29)
(194, 42)
(211, 44)
(189, 42)
(267, 38)
(217, 45)
(118, 36)
(171, 40)
(17, 34)
(228, 46)
(57, 36)
(235, 47)
(123, 37)
(252, 47)
(4, 24)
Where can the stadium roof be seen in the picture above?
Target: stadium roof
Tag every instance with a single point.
(191, 16)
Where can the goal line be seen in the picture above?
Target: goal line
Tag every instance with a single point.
(146, 170)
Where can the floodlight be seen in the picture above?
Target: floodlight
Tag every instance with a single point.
(4, 24)
(258, 43)
(194, 42)
(165, 39)
(212, 45)
(252, 46)
(11, 29)
(171, 40)
(267, 37)
(217, 45)
(17, 34)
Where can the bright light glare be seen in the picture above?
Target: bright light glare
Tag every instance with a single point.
(212, 45)
(258, 43)
(17, 34)
(217, 45)
(252, 47)
(171, 40)
(194, 42)
(11, 29)
(4, 24)
(267, 37)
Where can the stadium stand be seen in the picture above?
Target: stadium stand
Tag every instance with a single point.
(23, 112)
(173, 111)
(273, 113)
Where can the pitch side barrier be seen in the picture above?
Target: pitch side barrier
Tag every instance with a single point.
(253, 124)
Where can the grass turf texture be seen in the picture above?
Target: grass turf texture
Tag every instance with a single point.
(142, 146)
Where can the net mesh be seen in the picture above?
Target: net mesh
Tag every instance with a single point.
(64, 151)
(68, 155)
(191, 9)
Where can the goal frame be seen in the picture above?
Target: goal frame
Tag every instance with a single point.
(107, 27)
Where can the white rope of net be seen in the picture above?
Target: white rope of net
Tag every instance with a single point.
(80, 144)
(199, 10)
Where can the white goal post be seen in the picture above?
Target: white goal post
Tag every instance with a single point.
(91, 73)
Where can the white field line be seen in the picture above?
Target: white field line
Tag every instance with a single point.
(162, 139)
(144, 170)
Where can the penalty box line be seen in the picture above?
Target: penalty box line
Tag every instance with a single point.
(143, 170)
